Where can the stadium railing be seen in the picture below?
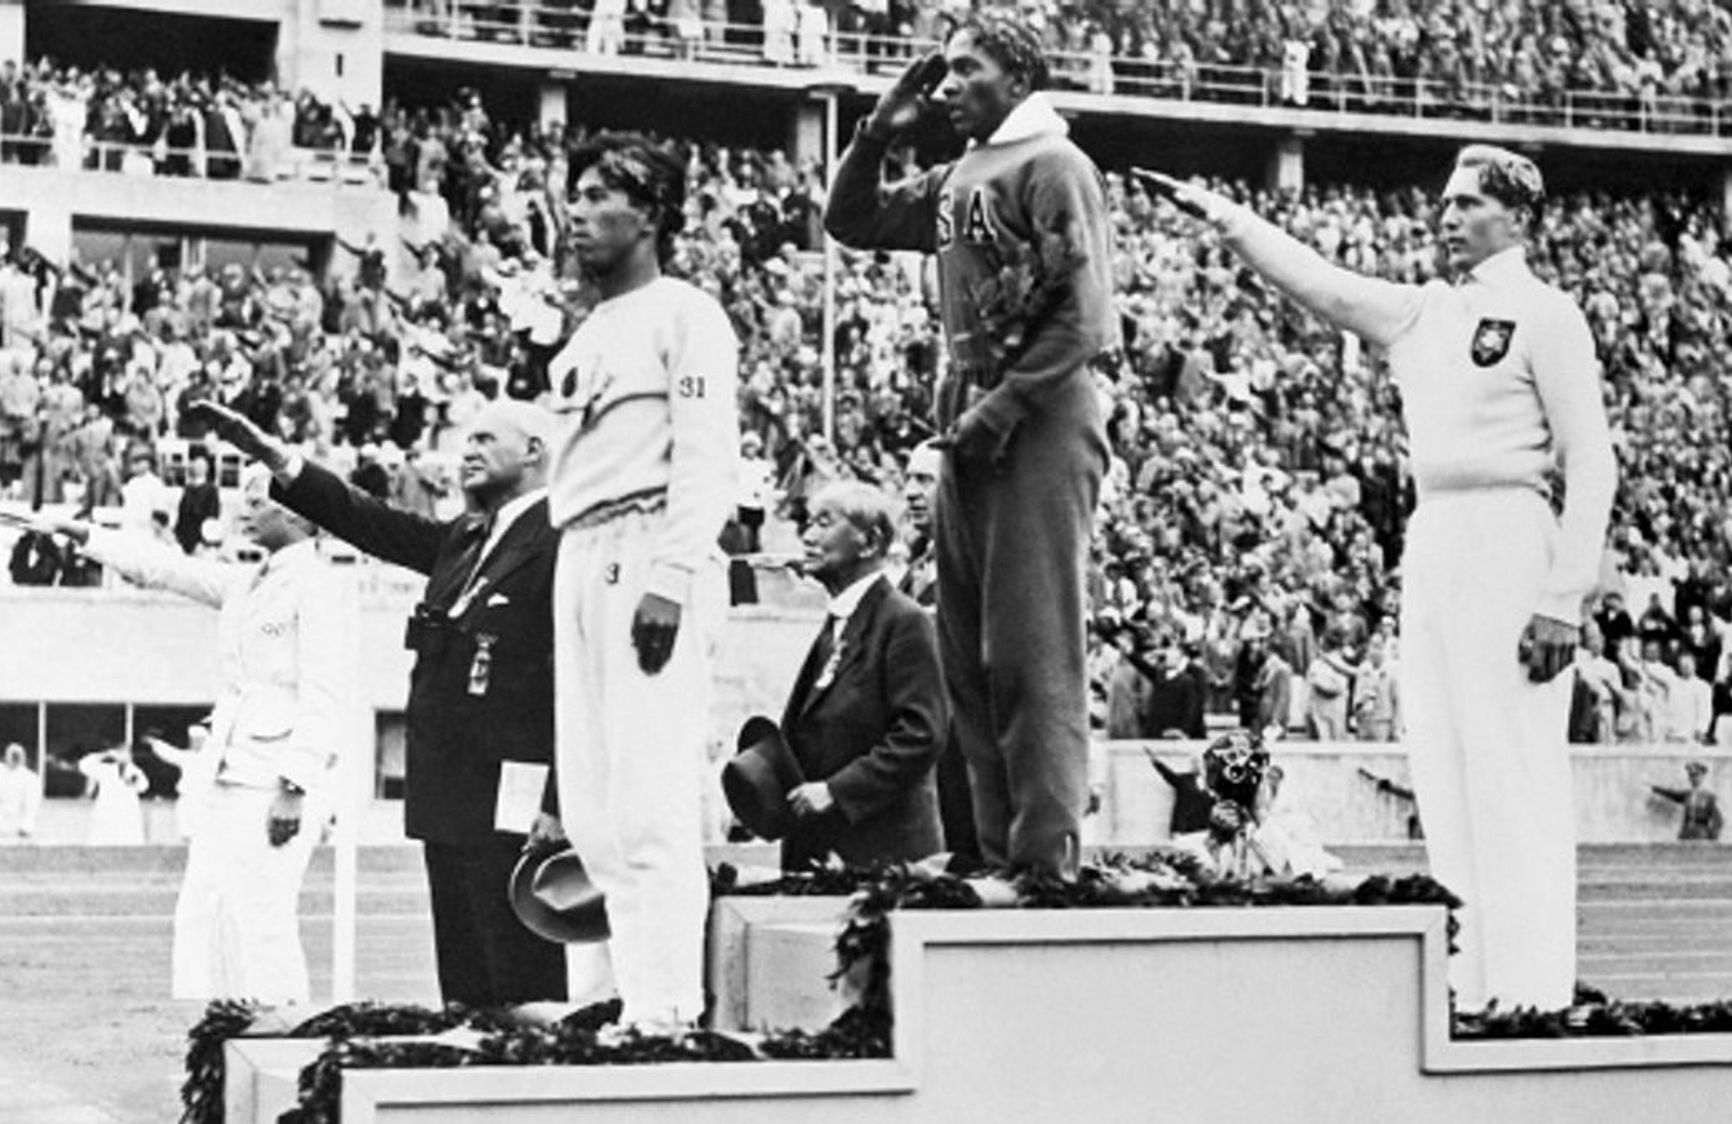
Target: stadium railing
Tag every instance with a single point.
(304, 165)
(559, 26)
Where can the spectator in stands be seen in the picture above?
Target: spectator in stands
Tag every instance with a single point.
(1176, 690)
(1377, 694)
(1330, 681)
(200, 503)
(1128, 685)
(146, 504)
(1689, 702)
(419, 486)
(1263, 681)
(1614, 622)
(1652, 679)
(1701, 637)
(1599, 693)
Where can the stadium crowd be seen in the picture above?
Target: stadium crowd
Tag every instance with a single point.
(1248, 547)
(1462, 57)
(188, 125)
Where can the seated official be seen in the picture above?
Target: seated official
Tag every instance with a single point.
(867, 716)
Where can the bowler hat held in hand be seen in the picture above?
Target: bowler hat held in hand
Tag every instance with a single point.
(552, 895)
(760, 776)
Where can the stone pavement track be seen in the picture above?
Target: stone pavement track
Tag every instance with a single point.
(88, 1037)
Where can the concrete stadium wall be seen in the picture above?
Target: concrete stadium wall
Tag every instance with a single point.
(118, 645)
(1613, 801)
(54, 201)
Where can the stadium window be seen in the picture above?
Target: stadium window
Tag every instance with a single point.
(12, 227)
(389, 740)
(74, 729)
(265, 254)
(22, 723)
(169, 722)
(135, 254)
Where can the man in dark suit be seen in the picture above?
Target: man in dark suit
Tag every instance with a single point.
(919, 493)
(867, 716)
(480, 711)
(920, 581)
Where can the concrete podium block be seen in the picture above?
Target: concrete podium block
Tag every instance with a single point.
(262, 1075)
(769, 962)
(788, 966)
(1291, 1014)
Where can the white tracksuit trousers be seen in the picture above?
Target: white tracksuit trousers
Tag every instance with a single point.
(632, 762)
(1487, 747)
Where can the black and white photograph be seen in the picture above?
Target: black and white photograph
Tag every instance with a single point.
(870, 561)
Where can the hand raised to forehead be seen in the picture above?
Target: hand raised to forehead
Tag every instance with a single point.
(903, 104)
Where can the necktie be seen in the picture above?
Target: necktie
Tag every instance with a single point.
(467, 564)
(476, 549)
(825, 654)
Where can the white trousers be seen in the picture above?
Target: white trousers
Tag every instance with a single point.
(1487, 747)
(632, 763)
(236, 934)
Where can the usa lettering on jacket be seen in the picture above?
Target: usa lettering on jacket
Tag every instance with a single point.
(970, 211)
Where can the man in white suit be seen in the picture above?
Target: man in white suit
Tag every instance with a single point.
(283, 641)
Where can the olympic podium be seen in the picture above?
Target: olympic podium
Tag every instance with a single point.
(1304, 1014)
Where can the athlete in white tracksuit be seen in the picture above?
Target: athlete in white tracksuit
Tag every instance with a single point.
(1499, 384)
(643, 480)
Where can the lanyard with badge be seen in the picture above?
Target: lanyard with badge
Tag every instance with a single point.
(481, 666)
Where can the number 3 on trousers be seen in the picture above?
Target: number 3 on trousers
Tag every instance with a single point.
(692, 386)
(611, 574)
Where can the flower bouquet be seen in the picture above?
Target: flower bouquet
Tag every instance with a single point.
(1013, 303)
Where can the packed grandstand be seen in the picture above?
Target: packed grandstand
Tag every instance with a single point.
(1258, 481)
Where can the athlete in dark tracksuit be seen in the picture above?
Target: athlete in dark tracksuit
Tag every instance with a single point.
(1020, 228)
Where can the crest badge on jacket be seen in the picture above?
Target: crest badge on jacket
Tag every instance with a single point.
(1491, 341)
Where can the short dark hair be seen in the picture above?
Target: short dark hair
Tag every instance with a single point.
(1509, 177)
(650, 174)
(1011, 44)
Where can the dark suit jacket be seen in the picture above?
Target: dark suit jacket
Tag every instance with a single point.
(873, 734)
(920, 581)
(456, 740)
(1175, 701)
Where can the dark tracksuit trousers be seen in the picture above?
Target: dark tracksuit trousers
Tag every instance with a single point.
(1012, 545)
